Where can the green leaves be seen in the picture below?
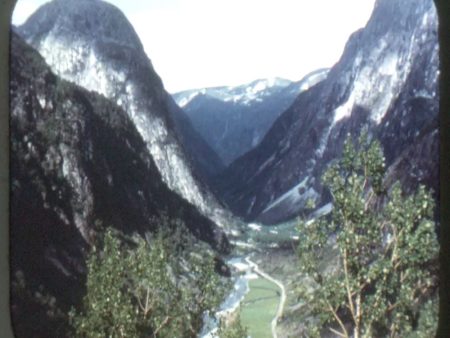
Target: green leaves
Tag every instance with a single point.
(146, 289)
(108, 310)
(235, 329)
(386, 256)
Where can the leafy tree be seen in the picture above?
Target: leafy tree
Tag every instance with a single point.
(107, 307)
(171, 306)
(386, 252)
(235, 329)
(205, 295)
(147, 289)
(153, 287)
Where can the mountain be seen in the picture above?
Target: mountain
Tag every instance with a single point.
(77, 161)
(91, 43)
(386, 80)
(233, 120)
(204, 159)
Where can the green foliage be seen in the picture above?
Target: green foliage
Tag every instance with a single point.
(426, 326)
(386, 253)
(235, 329)
(107, 307)
(146, 290)
(259, 307)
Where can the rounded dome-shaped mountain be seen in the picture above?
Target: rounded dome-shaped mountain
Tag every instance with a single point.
(85, 19)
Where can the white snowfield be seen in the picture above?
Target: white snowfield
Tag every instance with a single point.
(255, 226)
(294, 196)
(243, 94)
(253, 91)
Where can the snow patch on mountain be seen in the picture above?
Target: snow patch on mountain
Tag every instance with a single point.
(253, 91)
(242, 94)
(375, 89)
(183, 101)
(312, 79)
(255, 226)
(299, 193)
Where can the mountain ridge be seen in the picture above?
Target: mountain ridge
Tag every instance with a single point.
(78, 165)
(113, 63)
(234, 119)
(386, 80)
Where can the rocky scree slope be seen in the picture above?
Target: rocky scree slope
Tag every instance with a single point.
(91, 43)
(76, 158)
(234, 120)
(386, 80)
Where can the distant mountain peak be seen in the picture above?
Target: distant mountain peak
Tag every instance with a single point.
(262, 84)
(234, 119)
(240, 94)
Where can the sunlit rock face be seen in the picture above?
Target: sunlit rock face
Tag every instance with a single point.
(91, 43)
(76, 159)
(387, 80)
(234, 120)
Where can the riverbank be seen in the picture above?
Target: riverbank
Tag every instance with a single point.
(282, 295)
(273, 263)
(242, 274)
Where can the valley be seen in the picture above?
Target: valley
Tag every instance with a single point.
(259, 298)
(240, 188)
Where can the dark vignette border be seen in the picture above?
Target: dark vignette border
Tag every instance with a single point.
(6, 7)
(443, 7)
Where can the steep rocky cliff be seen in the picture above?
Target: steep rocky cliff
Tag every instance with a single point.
(77, 161)
(91, 43)
(386, 80)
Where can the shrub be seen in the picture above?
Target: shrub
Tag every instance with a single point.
(235, 329)
(147, 289)
(386, 253)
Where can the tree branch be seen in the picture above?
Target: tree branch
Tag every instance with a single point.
(347, 286)
(369, 199)
(341, 324)
(164, 323)
(146, 302)
(338, 333)
(358, 315)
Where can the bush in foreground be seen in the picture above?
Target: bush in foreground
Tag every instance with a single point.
(384, 282)
(235, 329)
(145, 290)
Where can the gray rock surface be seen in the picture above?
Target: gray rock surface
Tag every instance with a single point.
(92, 44)
(386, 79)
(76, 159)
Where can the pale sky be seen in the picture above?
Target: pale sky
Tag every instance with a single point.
(205, 43)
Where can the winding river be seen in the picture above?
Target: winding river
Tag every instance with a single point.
(247, 270)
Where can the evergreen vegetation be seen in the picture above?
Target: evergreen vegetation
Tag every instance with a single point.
(156, 288)
(384, 282)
